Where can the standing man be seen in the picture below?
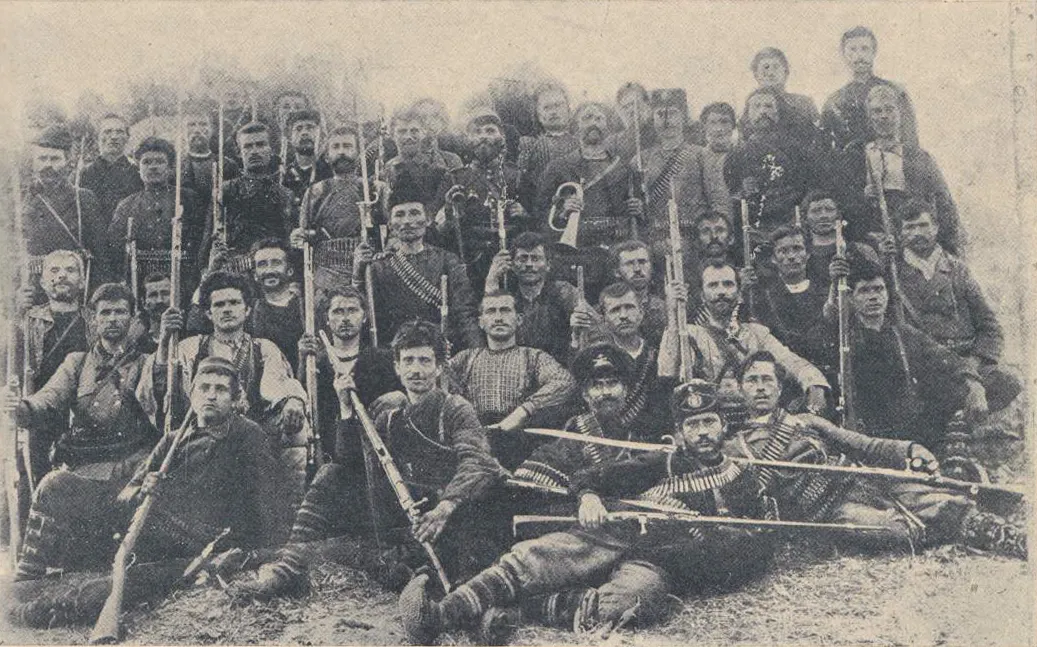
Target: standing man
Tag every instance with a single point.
(151, 212)
(608, 212)
(543, 305)
(109, 433)
(554, 142)
(331, 205)
(769, 168)
(407, 280)
(632, 104)
(718, 123)
(721, 340)
(255, 206)
(770, 68)
(436, 119)
(631, 263)
(473, 199)
(844, 116)
(196, 170)
(306, 167)
(948, 304)
(904, 169)
(677, 166)
(411, 165)
(111, 176)
(510, 386)
(56, 215)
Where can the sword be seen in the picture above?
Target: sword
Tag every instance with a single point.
(597, 440)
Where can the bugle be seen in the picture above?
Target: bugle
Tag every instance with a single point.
(571, 229)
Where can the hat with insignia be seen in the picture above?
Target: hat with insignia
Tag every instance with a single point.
(483, 114)
(219, 365)
(301, 115)
(693, 397)
(602, 360)
(54, 137)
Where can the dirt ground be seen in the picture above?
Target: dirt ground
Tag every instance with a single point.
(814, 595)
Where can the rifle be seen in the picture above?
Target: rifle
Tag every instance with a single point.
(399, 487)
(174, 282)
(675, 274)
(896, 298)
(87, 256)
(910, 476)
(847, 391)
(638, 188)
(107, 629)
(9, 434)
(444, 311)
(282, 168)
(579, 335)
(748, 257)
(314, 449)
(691, 518)
(367, 222)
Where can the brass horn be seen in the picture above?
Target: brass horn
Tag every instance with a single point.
(571, 228)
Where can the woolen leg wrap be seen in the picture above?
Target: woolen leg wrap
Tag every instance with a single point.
(496, 586)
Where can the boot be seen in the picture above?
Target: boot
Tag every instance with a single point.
(956, 460)
(992, 533)
(420, 615)
(276, 579)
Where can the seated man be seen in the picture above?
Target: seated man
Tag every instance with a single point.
(913, 514)
(222, 474)
(722, 339)
(438, 442)
(108, 436)
(605, 571)
(948, 304)
(510, 386)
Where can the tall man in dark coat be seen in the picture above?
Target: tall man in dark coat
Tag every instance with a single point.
(112, 176)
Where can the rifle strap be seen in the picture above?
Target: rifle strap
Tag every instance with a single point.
(78, 240)
(414, 281)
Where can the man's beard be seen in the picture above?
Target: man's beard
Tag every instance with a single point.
(722, 306)
(282, 279)
(199, 144)
(306, 146)
(599, 135)
(67, 295)
(763, 123)
(488, 151)
(50, 175)
(346, 331)
(343, 165)
(716, 249)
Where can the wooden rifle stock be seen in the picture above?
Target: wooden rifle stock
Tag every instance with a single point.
(579, 335)
(131, 257)
(87, 258)
(174, 282)
(108, 629)
(399, 487)
(367, 222)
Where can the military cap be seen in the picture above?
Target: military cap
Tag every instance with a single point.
(54, 137)
(602, 360)
(670, 98)
(693, 397)
(218, 365)
(484, 115)
(301, 115)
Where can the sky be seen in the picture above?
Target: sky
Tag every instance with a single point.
(953, 58)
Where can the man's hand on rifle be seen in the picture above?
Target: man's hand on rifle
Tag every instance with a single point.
(920, 459)
(24, 298)
(300, 237)
(11, 399)
(747, 277)
(362, 255)
(218, 255)
(583, 316)
(431, 524)
(592, 511)
(515, 210)
(309, 345)
(816, 400)
(499, 267)
(293, 415)
(344, 385)
(750, 186)
(838, 268)
(172, 321)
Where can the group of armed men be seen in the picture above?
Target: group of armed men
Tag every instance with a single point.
(497, 305)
